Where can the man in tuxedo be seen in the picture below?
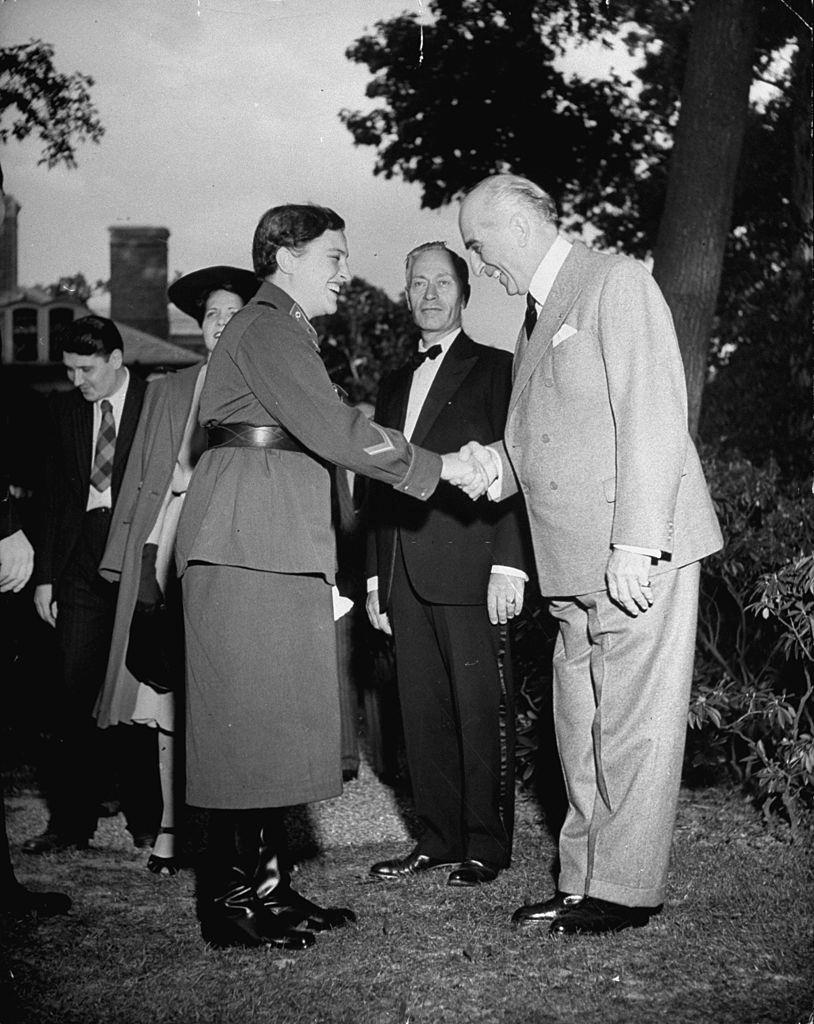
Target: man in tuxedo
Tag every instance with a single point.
(445, 577)
(89, 434)
(596, 439)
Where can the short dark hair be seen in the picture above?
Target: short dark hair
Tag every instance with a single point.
(91, 336)
(459, 264)
(291, 226)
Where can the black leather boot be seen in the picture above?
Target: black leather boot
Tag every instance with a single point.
(228, 908)
(272, 886)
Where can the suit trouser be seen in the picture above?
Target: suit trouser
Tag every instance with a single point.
(87, 758)
(457, 705)
(621, 692)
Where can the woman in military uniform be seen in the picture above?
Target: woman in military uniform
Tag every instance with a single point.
(256, 553)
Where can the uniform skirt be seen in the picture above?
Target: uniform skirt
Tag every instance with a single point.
(262, 703)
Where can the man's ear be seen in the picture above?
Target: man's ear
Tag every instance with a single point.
(520, 227)
(116, 358)
(286, 259)
(407, 297)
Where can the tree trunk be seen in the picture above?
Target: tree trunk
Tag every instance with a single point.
(698, 205)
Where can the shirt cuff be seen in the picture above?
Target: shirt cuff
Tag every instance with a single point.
(638, 551)
(372, 583)
(495, 489)
(508, 570)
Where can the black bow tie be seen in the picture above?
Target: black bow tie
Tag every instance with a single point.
(530, 320)
(431, 353)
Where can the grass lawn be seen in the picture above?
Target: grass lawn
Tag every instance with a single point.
(732, 946)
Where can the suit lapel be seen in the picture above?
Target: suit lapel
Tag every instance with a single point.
(563, 295)
(457, 363)
(82, 414)
(180, 392)
(127, 427)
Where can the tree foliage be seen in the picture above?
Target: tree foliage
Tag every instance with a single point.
(38, 99)
(369, 336)
(477, 91)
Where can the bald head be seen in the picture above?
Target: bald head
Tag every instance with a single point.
(508, 224)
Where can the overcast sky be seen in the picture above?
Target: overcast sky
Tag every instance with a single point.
(214, 111)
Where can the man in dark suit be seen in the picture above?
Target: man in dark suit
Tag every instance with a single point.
(89, 434)
(448, 575)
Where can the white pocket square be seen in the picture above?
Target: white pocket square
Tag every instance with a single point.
(563, 334)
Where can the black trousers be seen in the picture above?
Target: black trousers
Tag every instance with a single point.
(456, 696)
(85, 760)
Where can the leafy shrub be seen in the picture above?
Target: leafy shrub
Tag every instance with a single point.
(751, 715)
(750, 707)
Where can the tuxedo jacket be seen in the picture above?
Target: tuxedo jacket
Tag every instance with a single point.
(64, 491)
(596, 436)
(450, 543)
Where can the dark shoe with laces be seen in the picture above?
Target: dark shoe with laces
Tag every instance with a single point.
(54, 842)
(414, 863)
(592, 916)
(547, 911)
(472, 873)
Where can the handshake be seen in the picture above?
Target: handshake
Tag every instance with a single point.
(474, 468)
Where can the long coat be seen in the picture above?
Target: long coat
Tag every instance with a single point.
(144, 487)
(596, 436)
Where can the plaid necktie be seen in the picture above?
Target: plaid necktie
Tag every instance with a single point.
(530, 320)
(102, 471)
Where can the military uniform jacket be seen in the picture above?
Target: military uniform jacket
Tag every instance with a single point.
(270, 509)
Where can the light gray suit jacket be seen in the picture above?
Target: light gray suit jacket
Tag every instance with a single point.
(596, 436)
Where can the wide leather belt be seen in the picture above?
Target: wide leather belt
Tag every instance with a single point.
(244, 435)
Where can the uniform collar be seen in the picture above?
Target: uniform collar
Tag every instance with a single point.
(272, 295)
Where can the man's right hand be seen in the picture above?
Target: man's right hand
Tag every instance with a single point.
(16, 562)
(44, 603)
(378, 618)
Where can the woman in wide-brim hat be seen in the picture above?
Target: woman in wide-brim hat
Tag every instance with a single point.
(145, 667)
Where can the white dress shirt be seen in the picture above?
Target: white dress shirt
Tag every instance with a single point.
(423, 378)
(422, 381)
(104, 499)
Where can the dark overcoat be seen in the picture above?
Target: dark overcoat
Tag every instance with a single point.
(144, 486)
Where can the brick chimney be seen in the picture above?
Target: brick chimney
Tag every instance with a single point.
(8, 246)
(138, 278)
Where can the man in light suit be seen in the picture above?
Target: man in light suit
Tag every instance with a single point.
(596, 440)
(447, 575)
(89, 434)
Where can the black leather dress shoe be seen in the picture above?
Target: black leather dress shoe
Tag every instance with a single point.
(54, 842)
(413, 864)
(547, 911)
(592, 916)
(472, 873)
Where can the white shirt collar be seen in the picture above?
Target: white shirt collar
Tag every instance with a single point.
(117, 398)
(445, 341)
(550, 266)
